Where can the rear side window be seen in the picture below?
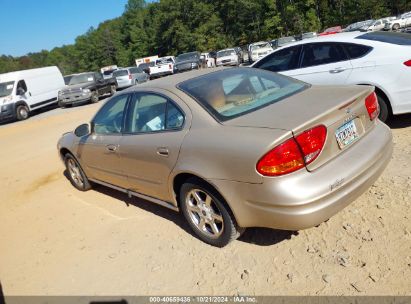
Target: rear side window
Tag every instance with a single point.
(283, 60)
(322, 53)
(119, 73)
(134, 70)
(388, 37)
(356, 50)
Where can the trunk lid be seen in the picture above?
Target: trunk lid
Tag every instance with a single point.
(340, 109)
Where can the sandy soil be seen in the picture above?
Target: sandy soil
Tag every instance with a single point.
(55, 240)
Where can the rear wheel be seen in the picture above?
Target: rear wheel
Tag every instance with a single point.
(385, 112)
(76, 175)
(22, 112)
(113, 89)
(395, 27)
(207, 214)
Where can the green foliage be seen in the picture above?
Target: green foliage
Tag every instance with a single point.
(169, 27)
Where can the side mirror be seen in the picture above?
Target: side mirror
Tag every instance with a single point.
(82, 130)
(20, 91)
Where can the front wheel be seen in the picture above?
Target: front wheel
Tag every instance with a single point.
(113, 89)
(94, 97)
(76, 174)
(395, 27)
(22, 112)
(207, 214)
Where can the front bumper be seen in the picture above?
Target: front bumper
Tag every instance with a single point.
(8, 112)
(305, 199)
(67, 99)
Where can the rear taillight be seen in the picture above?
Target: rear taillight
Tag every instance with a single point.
(129, 76)
(169, 66)
(294, 153)
(312, 142)
(371, 103)
(408, 63)
(283, 159)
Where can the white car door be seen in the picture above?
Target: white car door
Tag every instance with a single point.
(323, 63)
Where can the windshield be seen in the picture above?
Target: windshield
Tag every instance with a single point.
(187, 56)
(119, 73)
(283, 40)
(235, 92)
(260, 46)
(388, 37)
(6, 88)
(225, 53)
(67, 79)
(81, 78)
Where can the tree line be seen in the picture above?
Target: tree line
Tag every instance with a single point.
(170, 27)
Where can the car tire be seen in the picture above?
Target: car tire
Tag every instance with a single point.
(94, 97)
(207, 214)
(76, 174)
(385, 113)
(395, 27)
(113, 90)
(22, 112)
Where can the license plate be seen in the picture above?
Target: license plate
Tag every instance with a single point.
(346, 134)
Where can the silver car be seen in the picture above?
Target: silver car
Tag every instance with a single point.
(235, 148)
(129, 76)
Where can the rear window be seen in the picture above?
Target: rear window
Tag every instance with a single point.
(135, 70)
(120, 73)
(387, 37)
(356, 50)
(234, 92)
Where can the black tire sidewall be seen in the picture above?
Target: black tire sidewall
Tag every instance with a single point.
(229, 231)
(18, 116)
(86, 182)
(384, 110)
(94, 97)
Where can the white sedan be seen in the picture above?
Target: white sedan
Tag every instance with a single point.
(380, 59)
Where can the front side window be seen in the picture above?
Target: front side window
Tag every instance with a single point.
(282, 60)
(109, 120)
(322, 53)
(150, 112)
(235, 92)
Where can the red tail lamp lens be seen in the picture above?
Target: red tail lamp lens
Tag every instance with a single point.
(371, 103)
(312, 142)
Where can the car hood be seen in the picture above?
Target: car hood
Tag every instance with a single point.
(226, 57)
(309, 106)
(186, 62)
(74, 87)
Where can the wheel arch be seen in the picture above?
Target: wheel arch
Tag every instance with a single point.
(182, 177)
(382, 93)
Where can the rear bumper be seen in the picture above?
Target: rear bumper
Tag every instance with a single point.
(305, 199)
(124, 84)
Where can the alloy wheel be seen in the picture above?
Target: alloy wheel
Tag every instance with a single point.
(75, 173)
(204, 213)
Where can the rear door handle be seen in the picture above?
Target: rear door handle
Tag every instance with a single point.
(111, 148)
(337, 70)
(162, 151)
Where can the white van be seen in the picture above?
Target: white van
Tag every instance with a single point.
(24, 91)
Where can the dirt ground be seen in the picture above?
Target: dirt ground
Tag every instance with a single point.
(55, 240)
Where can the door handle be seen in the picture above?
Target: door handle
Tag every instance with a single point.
(111, 148)
(337, 70)
(162, 151)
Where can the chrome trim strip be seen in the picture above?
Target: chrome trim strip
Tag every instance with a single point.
(132, 193)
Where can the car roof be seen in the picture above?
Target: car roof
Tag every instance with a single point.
(339, 37)
(170, 83)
